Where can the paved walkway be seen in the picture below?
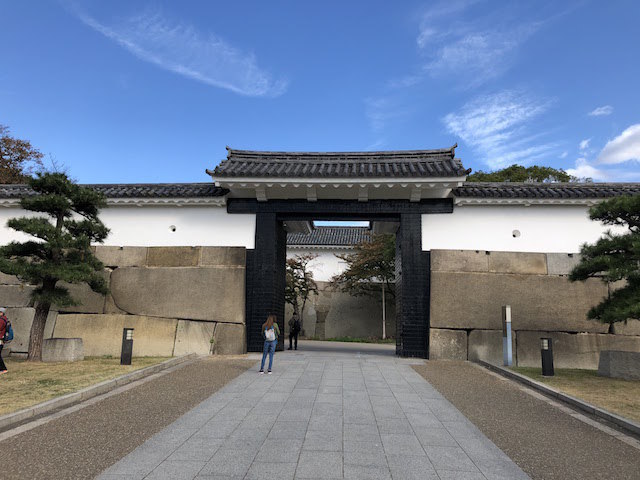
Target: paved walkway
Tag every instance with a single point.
(321, 415)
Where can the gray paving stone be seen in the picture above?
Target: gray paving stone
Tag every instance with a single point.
(322, 440)
(320, 416)
(401, 444)
(229, 462)
(449, 458)
(319, 465)
(411, 468)
(176, 470)
(360, 472)
(271, 471)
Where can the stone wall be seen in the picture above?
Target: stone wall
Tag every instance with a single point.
(333, 314)
(178, 299)
(468, 289)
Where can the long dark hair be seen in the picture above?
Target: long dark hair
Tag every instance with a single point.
(271, 319)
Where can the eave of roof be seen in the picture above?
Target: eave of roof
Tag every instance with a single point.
(330, 236)
(406, 164)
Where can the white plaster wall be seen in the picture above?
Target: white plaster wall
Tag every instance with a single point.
(549, 228)
(325, 266)
(150, 226)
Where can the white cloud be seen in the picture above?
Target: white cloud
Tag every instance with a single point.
(600, 111)
(584, 170)
(584, 144)
(475, 51)
(564, 154)
(497, 125)
(181, 49)
(623, 148)
(381, 111)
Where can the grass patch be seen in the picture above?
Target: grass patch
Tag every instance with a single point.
(30, 383)
(612, 394)
(354, 339)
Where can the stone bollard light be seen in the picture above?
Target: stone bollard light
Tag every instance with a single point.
(546, 350)
(127, 346)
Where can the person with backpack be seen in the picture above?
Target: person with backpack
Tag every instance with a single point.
(294, 330)
(270, 332)
(6, 335)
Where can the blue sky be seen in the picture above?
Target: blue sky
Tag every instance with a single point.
(153, 91)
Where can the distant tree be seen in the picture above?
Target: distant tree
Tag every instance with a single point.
(518, 173)
(18, 158)
(370, 271)
(300, 284)
(614, 257)
(61, 249)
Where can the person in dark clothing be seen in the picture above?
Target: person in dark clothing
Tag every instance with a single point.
(4, 324)
(294, 330)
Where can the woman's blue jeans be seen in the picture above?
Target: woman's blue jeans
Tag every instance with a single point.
(269, 348)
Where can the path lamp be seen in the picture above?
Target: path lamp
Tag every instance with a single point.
(546, 350)
(507, 354)
(127, 346)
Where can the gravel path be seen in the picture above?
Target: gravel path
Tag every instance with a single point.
(82, 444)
(544, 441)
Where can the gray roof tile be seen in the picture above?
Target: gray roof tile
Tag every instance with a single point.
(405, 163)
(545, 190)
(330, 236)
(133, 190)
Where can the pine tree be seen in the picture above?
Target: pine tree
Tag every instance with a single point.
(61, 250)
(614, 257)
(300, 284)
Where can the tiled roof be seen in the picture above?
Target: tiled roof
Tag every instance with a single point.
(330, 236)
(545, 190)
(405, 164)
(131, 190)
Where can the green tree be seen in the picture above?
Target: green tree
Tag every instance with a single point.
(300, 284)
(18, 158)
(370, 271)
(518, 173)
(614, 257)
(60, 250)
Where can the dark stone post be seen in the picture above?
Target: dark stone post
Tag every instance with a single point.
(412, 289)
(266, 279)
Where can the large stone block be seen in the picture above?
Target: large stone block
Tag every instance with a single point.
(173, 256)
(631, 327)
(15, 295)
(102, 334)
(122, 256)
(447, 344)
(194, 337)
(88, 300)
(486, 345)
(230, 339)
(62, 350)
(204, 293)
(561, 263)
(229, 256)
(459, 261)
(617, 364)
(21, 320)
(9, 279)
(517, 262)
(581, 350)
(538, 302)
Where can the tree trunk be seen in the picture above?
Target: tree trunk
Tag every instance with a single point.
(37, 332)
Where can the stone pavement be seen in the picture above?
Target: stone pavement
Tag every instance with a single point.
(321, 415)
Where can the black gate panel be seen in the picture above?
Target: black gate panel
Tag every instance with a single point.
(265, 279)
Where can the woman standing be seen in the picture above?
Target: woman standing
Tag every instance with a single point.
(270, 332)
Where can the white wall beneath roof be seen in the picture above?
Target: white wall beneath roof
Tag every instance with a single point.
(150, 226)
(326, 265)
(543, 228)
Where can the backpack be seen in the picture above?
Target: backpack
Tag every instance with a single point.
(8, 336)
(270, 335)
(296, 326)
